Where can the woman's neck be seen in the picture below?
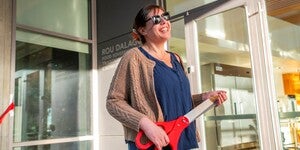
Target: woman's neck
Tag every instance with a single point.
(157, 51)
(156, 48)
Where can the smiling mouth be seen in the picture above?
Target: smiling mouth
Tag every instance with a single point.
(165, 29)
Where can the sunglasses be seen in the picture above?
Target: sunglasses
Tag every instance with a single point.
(157, 19)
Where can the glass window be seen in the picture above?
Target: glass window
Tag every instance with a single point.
(69, 17)
(284, 34)
(53, 73)
(179, 6)
(177, 41)
(52, 88)
(40, 39)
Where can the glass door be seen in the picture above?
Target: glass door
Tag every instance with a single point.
(225, 65)
(222, 40)
(284, 34)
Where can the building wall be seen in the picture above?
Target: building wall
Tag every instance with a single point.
(111, 131)
(5, 67)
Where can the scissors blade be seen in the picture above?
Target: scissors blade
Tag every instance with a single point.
(200, 109)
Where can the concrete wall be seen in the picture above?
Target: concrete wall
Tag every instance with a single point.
(110, 130)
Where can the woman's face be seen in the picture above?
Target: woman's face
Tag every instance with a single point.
(159, 32)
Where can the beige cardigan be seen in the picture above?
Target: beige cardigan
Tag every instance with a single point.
(132, 95)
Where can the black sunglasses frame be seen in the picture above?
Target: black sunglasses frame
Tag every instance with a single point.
(157, 19)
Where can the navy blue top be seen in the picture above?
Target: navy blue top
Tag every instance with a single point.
(173, 93)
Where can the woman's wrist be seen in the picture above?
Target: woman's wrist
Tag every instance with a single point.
(144, 121)
(197, 99)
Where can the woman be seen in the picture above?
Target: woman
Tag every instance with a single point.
(150, 84)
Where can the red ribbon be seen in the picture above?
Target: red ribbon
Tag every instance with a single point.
(8, 109)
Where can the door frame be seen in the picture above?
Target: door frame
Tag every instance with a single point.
(261, 65)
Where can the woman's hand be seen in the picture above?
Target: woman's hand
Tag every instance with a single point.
(154, 133)
(219, 94)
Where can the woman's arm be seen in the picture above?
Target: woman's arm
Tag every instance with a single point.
(219, 94)
(118, 102)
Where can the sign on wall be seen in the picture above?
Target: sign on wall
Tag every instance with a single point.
(114, 26)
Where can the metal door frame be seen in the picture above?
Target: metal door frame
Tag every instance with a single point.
(261, 65)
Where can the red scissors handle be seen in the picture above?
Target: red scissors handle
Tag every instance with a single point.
(173, 129)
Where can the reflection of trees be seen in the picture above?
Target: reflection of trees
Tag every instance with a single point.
(32, 106)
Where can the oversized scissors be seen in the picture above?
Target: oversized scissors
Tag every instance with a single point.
(174, 128)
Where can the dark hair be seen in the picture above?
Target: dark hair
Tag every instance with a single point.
(140, 21)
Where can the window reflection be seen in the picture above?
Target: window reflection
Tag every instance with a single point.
(179, 6)
(225, 65)
(52, 93)
(284, 34)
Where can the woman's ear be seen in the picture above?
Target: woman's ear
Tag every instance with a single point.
(142, 31)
